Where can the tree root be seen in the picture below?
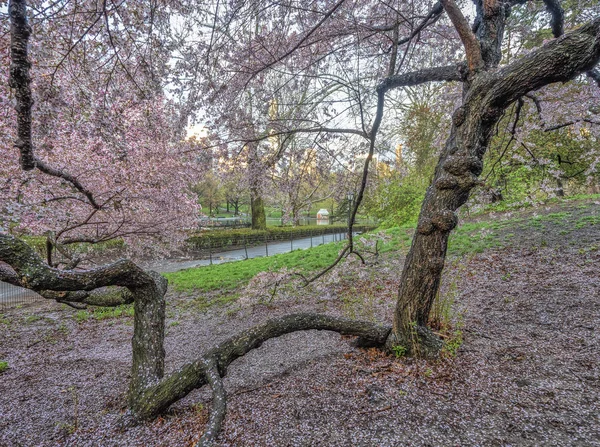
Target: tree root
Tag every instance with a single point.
(219, 405)
(419, 341)
(212, 366)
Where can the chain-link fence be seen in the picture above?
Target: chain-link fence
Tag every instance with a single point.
(11, 296)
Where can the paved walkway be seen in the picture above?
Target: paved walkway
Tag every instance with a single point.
(11, 294)
(272, 248)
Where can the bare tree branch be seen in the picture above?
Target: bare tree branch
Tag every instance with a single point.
(570, 123)
(46, 169)
(557, 17)
(301, 41)
(470, 42)
(436, 74)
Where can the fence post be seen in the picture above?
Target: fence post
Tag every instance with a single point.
(266, 245)
(245, 246)
(310, 233)
(291, 239)
(210, 249)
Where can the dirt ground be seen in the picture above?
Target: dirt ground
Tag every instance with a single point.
(526, 374)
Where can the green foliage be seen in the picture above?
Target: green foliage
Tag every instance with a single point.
(399, 193)
(441, 312)
(236, 237)
(231, 275)
(82, 315)
(103, 313)
(3, 366)
(397, 201)
(32, 318)
(210, 192)
(202, 303)
(540, 163)
(399, 350)
(453, 343)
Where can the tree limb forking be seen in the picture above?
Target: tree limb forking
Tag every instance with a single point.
(559, 60)
(557, 17)
(34, 274)
(446, 73)
(326, 17)
(20, 80)
(156, 398)
(219, 404)
(46, 169)
(470, 42)
(557, 24)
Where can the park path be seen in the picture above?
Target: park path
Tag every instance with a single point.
(12, 294)
(272, 248)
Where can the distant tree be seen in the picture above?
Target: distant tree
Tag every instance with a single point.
(210, 192)
(358, 46)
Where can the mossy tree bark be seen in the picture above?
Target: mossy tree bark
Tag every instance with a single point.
(257, 208)
(487, 93)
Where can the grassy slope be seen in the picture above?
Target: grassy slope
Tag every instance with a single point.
(470, 237)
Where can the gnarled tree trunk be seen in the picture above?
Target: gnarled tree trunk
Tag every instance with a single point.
(487, 93)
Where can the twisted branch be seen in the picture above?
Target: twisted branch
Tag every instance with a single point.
(219, 405)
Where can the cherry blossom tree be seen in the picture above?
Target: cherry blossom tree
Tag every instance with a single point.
(106, 146)
(358, 54)
(365, 52)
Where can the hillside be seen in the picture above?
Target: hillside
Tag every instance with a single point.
(519, 306)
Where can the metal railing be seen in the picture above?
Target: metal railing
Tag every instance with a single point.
(12, 296)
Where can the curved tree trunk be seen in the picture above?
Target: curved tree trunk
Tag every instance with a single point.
(486, 95)
(455, 175)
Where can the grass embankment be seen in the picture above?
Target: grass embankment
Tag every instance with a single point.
(469, 238)
(233, 274)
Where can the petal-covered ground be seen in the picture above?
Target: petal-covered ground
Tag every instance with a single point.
(524, 324)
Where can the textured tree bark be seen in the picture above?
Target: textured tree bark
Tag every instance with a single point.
(148, 336)
(257, 207)
(155, 399)
(110, 285)
(486, 96)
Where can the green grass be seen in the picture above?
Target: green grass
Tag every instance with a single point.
(514, 206)
(3, 366)
(587, 221)
(104, 313)
(230, 275)
(468, 238)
